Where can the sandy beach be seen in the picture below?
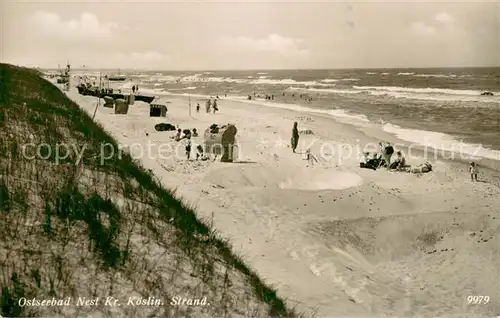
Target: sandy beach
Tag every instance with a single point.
(334, 239)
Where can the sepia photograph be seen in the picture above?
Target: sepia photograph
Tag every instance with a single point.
(250, 158)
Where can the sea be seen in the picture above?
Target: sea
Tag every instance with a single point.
(435, 107)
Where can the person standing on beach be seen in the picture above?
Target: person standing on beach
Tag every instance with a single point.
(473, 170)
(133, 89)
(215, 106)
(295, 136)
(188, 146)
(198, 107)
(207, 105)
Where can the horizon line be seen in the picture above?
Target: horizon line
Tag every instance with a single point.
(268, 69)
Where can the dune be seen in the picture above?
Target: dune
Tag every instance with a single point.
(335, 240)
(85, 238)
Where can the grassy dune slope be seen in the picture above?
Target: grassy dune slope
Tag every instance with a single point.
(92, 230)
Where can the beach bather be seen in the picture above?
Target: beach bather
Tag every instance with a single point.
(207, 105)
(198, 107)
(387, 152)
(215, 106)
(400, 162)
(473, 170)
(199, 153)
(178, 135)
(295, 136)
(188, 146)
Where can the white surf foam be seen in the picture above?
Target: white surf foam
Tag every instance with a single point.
(436, 75)
(419, 90)
(444, 142)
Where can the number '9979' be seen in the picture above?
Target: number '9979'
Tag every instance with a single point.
(478, 300)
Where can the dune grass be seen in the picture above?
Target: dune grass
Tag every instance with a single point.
(62, 219)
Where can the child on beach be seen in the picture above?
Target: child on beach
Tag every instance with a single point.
(310, 158)
(199, 153)
(473, 170)
(178, 135)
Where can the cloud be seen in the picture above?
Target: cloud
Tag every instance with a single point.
(421, 28)
(444, 18)
(274, 43)
(87, 26)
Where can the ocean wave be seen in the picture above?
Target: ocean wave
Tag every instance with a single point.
(287, 81)
(436, 75)
(371, 73)
(420, 90)
(406, 73)
(333, 80)
(350, 79)
(182, 89)
(443, 142)
(430, 94)
(325, 90)
(329, 80)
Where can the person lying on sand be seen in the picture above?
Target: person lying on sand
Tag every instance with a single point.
(473, 170)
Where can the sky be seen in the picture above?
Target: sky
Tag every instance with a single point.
(251, 34)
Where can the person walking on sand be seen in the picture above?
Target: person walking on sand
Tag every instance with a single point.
(198, 107)
(473, 170)
(295, 136)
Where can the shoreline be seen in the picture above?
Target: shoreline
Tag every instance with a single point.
(350, 117)
(279, 214)
(368, 128)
